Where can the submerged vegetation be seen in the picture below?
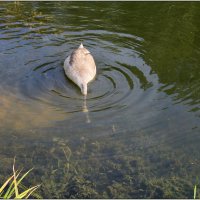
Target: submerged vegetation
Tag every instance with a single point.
(84, 170)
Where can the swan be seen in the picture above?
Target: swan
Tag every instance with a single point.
(80, 68)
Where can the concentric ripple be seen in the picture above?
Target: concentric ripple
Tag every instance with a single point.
(121, 73)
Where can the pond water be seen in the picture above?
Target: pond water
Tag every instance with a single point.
(137, 134)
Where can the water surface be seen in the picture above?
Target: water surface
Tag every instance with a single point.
(137, 134)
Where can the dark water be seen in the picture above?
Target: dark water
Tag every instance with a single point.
(143, 107)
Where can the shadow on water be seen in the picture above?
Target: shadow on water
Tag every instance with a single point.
(137, 133)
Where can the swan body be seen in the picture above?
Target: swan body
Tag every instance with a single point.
(80, 68)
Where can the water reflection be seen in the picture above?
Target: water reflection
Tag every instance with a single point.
(86, 111)
(175, 55)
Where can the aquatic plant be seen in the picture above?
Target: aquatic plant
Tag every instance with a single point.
(86, 170)
(13, 188)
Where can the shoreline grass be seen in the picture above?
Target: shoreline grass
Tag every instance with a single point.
(13, 187)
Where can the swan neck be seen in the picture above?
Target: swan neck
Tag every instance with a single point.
(84, 89)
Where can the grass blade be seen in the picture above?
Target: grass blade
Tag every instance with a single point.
(10, 190)
(27, 193)
(18, 182)
(195, 191)
(15, 180)
(14, 186)
(35, 195)
(36, 187)
(5, 184)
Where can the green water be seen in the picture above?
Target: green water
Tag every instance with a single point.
(143, 106)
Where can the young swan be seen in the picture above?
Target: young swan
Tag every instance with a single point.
(80, 68)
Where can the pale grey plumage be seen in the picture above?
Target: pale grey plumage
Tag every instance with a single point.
(80, 68)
